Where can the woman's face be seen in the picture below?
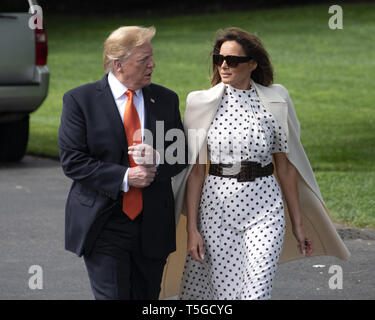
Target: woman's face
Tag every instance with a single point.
(238, 77)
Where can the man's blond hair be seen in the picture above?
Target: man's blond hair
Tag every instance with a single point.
(120, 43)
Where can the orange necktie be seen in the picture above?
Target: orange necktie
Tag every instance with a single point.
(132, 200)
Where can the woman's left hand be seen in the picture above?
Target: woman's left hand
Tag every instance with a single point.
(304, 243)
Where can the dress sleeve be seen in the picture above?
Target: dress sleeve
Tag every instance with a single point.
(279, 143)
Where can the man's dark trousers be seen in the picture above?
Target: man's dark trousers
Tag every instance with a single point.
(117, 268)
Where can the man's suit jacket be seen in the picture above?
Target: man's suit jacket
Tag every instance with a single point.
(94, 154)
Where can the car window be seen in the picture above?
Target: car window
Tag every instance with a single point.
(14, 6)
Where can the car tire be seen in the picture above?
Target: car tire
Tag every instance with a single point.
(13, 139)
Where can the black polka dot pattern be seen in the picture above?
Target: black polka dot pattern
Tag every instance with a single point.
(242, 223)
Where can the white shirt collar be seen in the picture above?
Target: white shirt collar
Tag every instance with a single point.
(118, 89)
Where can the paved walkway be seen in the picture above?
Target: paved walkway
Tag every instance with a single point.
(32, 199)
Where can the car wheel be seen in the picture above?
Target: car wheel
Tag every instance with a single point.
(13, 139)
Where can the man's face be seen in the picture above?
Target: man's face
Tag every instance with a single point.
(136, 70)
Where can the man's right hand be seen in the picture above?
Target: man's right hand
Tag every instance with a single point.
(141, 176)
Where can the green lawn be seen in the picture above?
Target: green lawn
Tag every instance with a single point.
(329, 74)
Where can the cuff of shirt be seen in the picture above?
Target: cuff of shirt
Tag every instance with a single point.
(157, 159)
(125, 185)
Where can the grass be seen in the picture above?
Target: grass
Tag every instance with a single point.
(327, 72)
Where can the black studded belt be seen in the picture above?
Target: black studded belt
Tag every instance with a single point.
(244, 171)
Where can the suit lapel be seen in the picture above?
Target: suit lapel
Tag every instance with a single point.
(149, 113)
(108, 104)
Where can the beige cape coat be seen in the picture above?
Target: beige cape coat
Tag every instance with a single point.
(201, 107)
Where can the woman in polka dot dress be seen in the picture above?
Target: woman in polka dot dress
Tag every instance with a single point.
(236, 228)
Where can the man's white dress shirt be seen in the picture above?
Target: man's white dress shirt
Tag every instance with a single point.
(118, 92)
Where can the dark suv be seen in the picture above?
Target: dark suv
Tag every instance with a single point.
(24, 75)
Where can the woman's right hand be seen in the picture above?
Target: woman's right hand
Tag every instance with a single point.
(195, 246)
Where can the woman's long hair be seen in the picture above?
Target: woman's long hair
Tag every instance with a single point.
(253, 47)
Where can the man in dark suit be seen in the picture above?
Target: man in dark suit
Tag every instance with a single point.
(120, 208)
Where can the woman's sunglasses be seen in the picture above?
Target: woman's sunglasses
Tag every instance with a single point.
(232, 61)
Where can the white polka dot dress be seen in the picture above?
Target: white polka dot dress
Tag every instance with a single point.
(242, 223)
